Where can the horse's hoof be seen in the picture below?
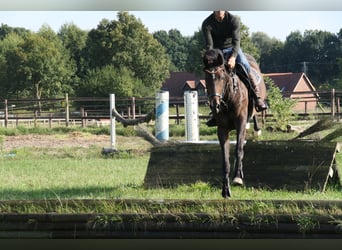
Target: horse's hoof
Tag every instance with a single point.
(226, 196)
(237, 181)
(257, 133)
(226, 193)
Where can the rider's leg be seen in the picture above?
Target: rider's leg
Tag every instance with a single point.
(259, 103)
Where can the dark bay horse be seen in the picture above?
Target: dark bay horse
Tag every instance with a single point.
(232, 106)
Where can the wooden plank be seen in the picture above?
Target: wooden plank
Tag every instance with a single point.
(294, 165)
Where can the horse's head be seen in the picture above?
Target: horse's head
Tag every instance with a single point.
(216, 78)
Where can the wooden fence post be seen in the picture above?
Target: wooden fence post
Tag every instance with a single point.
(6, 113)
(83, 118)
(133, 107)
(177, 114)
(338, 108)
(66, 110)
(35, 115)
(50, 120)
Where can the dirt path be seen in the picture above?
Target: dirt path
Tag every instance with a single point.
(72, 140)
(55, 141)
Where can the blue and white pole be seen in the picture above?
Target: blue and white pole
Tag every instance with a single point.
(162, 116)
(191, 116)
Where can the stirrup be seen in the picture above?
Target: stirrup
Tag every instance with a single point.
(211, 122)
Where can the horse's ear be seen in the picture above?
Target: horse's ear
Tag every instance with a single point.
(220, 59)
(207, 59)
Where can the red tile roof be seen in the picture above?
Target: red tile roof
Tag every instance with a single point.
(175, 84)
(287, 82)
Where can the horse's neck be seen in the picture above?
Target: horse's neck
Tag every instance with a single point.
(231, 86)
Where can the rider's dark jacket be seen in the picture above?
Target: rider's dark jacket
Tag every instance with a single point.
(222, 35)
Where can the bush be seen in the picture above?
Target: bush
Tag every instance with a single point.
(281, 107)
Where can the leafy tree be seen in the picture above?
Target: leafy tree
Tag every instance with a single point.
(9, 85)
(41, 65)
(126, 43)
(177, 47)
(320, 50)
(196, 51)
(74, 40)
(270, 51)
(315, 52)
(5, 30)
(247, 45)
(108, 79)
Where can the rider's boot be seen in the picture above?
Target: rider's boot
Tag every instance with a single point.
(212, 121)
(260, 105)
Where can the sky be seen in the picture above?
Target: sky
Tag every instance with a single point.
(276, 24)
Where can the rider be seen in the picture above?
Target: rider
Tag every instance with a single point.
(221, 30)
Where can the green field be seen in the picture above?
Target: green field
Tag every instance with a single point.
(35, 173)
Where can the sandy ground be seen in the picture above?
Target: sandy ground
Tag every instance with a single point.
(73, 140)
(55, 141)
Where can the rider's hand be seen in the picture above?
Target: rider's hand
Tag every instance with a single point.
(231, 62)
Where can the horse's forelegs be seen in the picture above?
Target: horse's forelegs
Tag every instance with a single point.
(226, 193)
(257, 130)
(239, 153)
(223, 135)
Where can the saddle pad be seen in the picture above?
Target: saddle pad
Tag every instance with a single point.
(256, 75)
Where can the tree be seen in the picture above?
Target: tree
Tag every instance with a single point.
(320, 51)
(74, 40)
(176, 46)
(247, 45)
(126, 43)
(41, 65)
(196, 51)
(5, 30)
(270, 51)
(108, 79)
(9, 85)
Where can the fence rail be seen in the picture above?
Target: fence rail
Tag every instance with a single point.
(85, 111)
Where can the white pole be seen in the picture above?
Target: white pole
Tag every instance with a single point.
(162, 116)
(112, 121)
(191, 116)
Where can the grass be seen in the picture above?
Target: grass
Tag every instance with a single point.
(74, 173)
(36, 176)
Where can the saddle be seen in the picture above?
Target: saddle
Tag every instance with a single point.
(241, 72)
(243, 75)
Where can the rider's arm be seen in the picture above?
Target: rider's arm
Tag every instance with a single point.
(206, 29)
(235, 25)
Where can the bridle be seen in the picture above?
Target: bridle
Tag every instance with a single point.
(215, 72)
